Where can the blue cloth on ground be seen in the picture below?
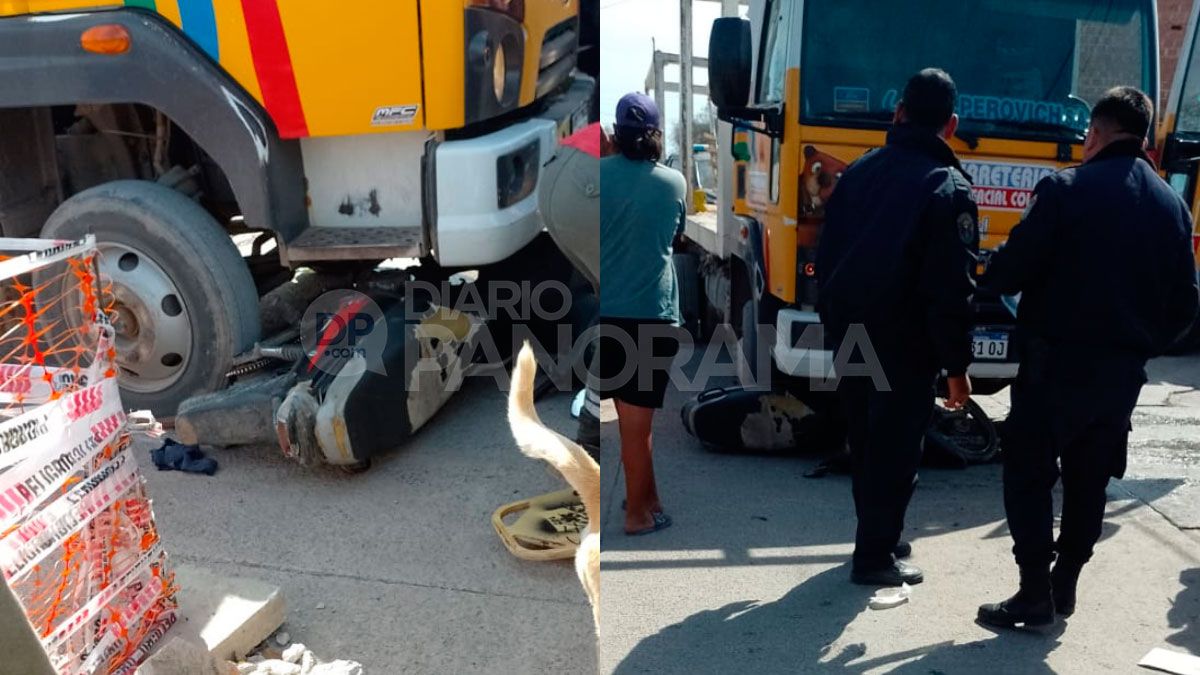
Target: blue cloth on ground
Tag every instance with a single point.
(173, 456)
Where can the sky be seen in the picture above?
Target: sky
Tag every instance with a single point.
(629, 31)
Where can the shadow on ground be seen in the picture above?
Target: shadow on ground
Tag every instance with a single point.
(1150, 490)
(754, 637)
(1183, 371)
(1185, 612)
(733, 511)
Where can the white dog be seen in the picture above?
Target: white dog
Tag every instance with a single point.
(572, 461)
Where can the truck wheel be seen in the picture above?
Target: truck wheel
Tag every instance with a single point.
(748, 369)
(754, 345)
(183, 302)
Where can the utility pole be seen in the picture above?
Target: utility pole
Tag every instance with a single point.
(685, 98)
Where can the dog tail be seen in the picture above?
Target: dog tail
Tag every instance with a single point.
(538, 441)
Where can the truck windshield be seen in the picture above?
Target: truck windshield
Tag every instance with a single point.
(1024, 68)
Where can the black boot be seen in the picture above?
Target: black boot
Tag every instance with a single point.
(1032, 606)
(1063, 581)
(896, 574)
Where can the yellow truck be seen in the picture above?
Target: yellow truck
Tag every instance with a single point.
(346, 134)
(1178, 136)
(811, 86)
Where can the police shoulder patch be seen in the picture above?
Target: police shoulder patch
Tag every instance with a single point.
(967, 229)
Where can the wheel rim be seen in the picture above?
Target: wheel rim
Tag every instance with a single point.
(150, 319)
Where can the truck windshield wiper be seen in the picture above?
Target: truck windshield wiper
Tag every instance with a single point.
(865, 115)
(1028, 125)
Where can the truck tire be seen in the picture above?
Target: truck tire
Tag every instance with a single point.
(752, 375)
(183, 301)
(691, 297)
(755, 346)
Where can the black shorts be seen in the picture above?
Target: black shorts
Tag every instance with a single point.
(636, 378)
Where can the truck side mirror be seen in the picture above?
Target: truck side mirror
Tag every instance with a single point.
(1179, 152)
(729, 63)
(1178, 162)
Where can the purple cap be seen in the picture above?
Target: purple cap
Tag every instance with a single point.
(638, 111)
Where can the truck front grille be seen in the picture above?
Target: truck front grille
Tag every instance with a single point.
(559, 51)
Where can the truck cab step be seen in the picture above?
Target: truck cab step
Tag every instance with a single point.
(356, 243)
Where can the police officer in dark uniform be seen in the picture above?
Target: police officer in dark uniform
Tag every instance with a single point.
(1103, 261)
(896, 258)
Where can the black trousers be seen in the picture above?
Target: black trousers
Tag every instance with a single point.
(1058, 428)
(886, 429)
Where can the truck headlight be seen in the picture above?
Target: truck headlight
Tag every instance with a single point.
(495, 52)
(491, 55)
(499, 73)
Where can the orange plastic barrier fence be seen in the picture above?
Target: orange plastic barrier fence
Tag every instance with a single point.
(78, 544)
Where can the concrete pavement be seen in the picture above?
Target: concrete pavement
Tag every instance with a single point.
(1164, 457)
(402, 559)
(753, 576)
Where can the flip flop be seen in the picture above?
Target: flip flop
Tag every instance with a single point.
(661, 522)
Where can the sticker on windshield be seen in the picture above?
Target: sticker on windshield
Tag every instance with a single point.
(1009, 109)
(988, 108)
(851, 99)
(1003, 186)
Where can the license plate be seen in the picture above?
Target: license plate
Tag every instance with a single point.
(579, 120)
(572, 123)
(991, 346)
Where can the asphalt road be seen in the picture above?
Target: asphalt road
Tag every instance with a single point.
(402, 559)
(753, 576)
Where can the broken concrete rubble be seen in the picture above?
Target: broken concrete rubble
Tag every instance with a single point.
(299, 660)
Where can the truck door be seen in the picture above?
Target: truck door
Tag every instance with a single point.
(1180, 125)
(773, 148)
(352, 68)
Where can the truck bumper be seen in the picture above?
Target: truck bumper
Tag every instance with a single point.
(473, 227)
(799, 351)
(805, 355)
